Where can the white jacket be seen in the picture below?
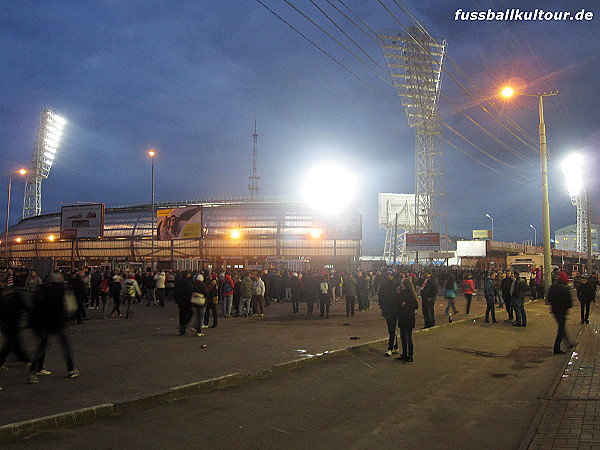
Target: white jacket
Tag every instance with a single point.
(258, 287)
(160, 280)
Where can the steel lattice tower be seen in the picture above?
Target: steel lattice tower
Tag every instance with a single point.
(46, 143)
(581, 202)
(253, 188)
(414, 62)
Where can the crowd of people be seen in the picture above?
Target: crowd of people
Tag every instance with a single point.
(70, 296)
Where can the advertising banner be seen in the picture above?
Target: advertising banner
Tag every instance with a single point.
(417, 242)
(179, 223)
(343, 227)
(82, 221)
(482, 234)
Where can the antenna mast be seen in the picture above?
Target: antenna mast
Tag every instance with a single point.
(253, 188)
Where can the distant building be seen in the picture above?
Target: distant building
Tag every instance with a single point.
(566, 238)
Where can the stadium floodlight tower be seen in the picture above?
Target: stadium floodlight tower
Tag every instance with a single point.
(44, 149)
(572, 167)
(414, 62)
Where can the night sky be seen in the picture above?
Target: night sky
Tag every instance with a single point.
(189, 79)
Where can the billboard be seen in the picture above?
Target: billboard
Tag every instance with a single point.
(416, 242)
(391, 204)
(343, 227)
(179, 223)
(482, 234)
(82, 221)
(471, 248)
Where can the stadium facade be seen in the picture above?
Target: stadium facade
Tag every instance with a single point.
(193, 234)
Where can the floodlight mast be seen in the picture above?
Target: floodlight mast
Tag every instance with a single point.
(573, 171)
(414, 62)
(44, 149)
(253, 188)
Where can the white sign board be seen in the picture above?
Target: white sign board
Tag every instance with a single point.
(82, 221)
(392, 204)
(471, 248)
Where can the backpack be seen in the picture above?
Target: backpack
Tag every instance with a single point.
(324, 287)
(129, 290)
(227, 288)
(104, 286)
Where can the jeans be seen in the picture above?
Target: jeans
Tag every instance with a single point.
(407, 341)
(585, 311)
(518, 305)
(450, 305)
(130, 301)
(561, 334)
(227, 303)
(258, 304)
(244, 302)
(490, 308)
(469, 297)
(288, 293)
(393, 340)
(150, 296)
(296, 302)
(160, 296)
(428, 311)
(350, 301)
(499, 297)
(508, 305)
(104, 297)
(40, 353)
(324, 304)
(200, 312)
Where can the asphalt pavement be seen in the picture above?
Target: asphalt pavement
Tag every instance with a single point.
(472, 383)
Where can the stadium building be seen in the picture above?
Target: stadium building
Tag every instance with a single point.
(188, 235)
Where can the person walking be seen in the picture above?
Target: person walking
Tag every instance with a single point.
(406, 319)
(213, 300)
(149, 286)
(183, 298)
(296, 286)
(350, 294)
(586, 294)
(489, 291)
(258, 296)
(450, 294)
(227, 287)
(199, 301)
(245, 295)
(559, 297)
(325, 296)
(468, 288)
(517, 295)
(48, 318)
(160, 279)
(104, 290)
(429, 290)
(389, 303)
(131, 290)
(115, 293)
(14, 300)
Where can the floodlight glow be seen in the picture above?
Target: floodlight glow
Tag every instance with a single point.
(572, 167)
(236, 234)
(316, 233)
(507, 92)
(22, 171)
(151, 153)
(51, 238)
(18, 240)
(330, 188)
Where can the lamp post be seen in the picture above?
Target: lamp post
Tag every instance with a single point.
(152, 153)
(534, 234)
(20, 172)
(508, 92)
(490, 217)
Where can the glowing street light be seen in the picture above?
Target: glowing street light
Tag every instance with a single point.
(18, 240)
(20, 172)
(508, 92)
(51, 238)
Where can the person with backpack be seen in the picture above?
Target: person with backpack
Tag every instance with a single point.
(103, 290)
(325, 295)
(130, 292)
(227, 294)
(48, 318)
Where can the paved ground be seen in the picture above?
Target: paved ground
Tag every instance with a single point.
(466, 376)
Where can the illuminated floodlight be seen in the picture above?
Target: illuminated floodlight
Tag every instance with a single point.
(51, 238)
(235, 234)
(18, 240)
(572, 167)
(330, 188)
(151, 153)
(316, 233)
(507, 92)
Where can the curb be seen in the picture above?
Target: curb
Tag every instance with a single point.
(29, 428)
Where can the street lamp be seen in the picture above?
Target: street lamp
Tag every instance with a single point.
(490, 217)
(509, 92)
(152, 153)
(20, 172)
(534, 234)
(573, 169)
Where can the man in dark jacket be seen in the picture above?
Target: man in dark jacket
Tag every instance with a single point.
(48, 317)
(489, 291)
(559, 297)
(505, 285)
(389, 302)
(183, 298)
(586, 294)
(429, 290)
(13, 301)
(350, 293)
(517, 295)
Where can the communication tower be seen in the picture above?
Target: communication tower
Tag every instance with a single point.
(44, 149)
(414, 62)
(253, 188)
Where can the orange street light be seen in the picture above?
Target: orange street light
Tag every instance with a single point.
(507, 92)
(151, 153)
(20, 172)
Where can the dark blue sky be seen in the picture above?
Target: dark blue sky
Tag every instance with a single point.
(190, 78)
